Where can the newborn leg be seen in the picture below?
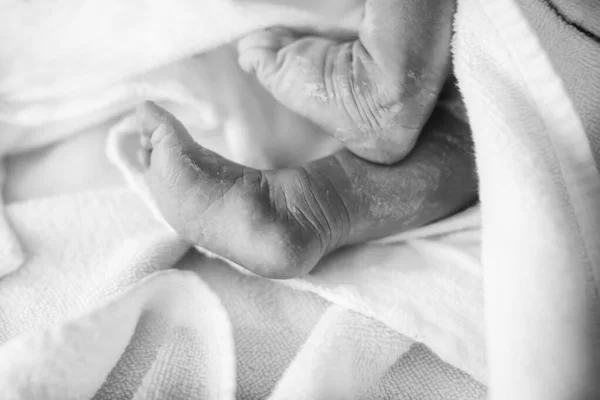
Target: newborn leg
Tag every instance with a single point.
(247, 216)
(280, 223)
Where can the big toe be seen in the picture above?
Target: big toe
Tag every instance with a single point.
(159, 127)
(289, 67)
(166, 152)
(259, 49)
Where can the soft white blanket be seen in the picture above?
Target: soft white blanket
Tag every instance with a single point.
(211, 331)
(540, 195)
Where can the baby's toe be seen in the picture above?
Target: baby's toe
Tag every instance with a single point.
(165, 152)
(260, 48)
(146, 120)
(157, 124)
(145, 142)
(145, 151)
(143, 157)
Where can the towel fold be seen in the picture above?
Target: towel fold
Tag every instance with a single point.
(11, 253)
(540, 197)
(168, 316)
(85, 294)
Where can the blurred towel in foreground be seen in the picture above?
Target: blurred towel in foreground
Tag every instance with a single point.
(540, 191)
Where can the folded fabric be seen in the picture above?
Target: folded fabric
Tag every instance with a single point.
(95, 300)
(540, 194)
(161, 319)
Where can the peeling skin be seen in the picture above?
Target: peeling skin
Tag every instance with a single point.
(316, 92)
(374, 94)
(284, 221)
(436, 179)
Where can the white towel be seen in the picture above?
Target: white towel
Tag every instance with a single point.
(386, 279)
(540, 194)
(57, 320)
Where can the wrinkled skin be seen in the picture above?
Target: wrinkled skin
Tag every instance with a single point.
(377, 100)
(375, 93)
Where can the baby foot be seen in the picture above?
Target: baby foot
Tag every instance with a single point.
(265, 221)
(373, 94)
